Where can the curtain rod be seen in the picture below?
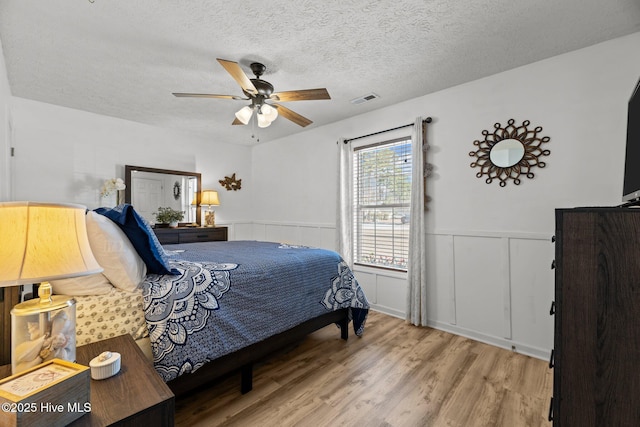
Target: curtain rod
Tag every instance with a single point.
(427, 120)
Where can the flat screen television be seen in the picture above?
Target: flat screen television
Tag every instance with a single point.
(631, 186)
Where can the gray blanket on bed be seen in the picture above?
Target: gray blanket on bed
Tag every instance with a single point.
(229, 295)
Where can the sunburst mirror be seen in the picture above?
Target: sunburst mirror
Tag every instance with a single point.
(508, 152)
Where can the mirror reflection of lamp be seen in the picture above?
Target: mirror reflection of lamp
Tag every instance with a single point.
(42, 242)
(209, 198)
(194, 207)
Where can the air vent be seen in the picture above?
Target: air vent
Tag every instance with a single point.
(365, 98)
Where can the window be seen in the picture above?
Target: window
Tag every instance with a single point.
(382, 195)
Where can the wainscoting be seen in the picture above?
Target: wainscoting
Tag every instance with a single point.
(493, 287)
(489, 286)
(316, 235)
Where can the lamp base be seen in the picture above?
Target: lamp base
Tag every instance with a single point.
(210, 219)
(43, 329)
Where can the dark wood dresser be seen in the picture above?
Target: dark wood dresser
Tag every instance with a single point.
(597, 318)
(190, 234)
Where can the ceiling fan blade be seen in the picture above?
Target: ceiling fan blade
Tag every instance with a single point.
(301, 95)
(292, 115)
(238, 75)
(206, 95)
(237, 122)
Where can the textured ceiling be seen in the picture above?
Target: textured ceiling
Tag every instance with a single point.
(123, 58)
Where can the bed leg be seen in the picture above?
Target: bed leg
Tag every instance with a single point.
(246, 379)
(344, 328)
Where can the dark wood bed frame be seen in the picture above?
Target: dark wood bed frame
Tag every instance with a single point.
(243, 359)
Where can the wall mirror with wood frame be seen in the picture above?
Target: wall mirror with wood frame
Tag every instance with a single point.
(149, 189)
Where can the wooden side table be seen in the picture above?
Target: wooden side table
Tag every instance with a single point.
(136, 396)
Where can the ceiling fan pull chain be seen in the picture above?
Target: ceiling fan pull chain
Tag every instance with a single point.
(254, 131)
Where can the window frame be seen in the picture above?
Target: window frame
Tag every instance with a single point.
(404, 205)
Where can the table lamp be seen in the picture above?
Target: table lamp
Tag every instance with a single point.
(41, 242)
(209, 198)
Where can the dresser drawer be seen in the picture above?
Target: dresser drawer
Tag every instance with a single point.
(203, 235)
(168, 236)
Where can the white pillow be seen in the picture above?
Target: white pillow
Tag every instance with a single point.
(96, 284)
(114, 252)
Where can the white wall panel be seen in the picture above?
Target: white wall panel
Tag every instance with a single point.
(328, 238)
(441, 301)
(281, 233)
(242, 231)
(532, 290)
(310, 236)
(368, 283)
(391, 294)
(315, 235)
(479, 280)
(259, 231)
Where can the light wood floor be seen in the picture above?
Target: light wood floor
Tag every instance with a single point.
(395, 375)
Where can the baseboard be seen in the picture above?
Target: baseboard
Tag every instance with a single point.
(538, 353)
(387, 310)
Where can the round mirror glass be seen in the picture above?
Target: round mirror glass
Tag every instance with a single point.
(507, 153)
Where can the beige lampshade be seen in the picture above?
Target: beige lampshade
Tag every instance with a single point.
(209, 198)
(42, 242)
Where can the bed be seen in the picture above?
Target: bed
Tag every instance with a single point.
(201, 310)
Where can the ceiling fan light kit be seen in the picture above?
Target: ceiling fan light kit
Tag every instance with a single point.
(244, 114)
(269, 112)
(263, 122)
(259, 91)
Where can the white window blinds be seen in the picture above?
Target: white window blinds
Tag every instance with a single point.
(382, 194)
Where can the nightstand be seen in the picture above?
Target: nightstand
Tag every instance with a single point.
(136, 396)
(168, 236)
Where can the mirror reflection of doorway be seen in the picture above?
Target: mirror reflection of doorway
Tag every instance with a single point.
(147, 196)
(156, 188)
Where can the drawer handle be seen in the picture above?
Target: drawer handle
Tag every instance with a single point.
(553, 239)
(551, 409)
(552, 310)
(551, 361)
(553, 264)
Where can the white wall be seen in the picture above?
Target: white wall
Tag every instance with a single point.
(490, 249)
(64, 155)
(5, 97)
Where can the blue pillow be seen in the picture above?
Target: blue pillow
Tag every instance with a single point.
(142, 237)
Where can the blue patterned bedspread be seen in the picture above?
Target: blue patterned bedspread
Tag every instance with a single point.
(230, 295)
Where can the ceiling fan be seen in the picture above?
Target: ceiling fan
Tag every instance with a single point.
(259, 91)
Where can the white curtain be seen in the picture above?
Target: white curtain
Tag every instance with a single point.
(344, 217)
(417, 266)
